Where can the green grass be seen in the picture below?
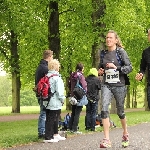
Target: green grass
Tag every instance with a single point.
(19, 132)
(25, 110)
(24, 132)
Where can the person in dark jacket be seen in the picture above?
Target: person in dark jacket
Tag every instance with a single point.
(41, 71)
(145, 63)
(93, 87)
(77, 108)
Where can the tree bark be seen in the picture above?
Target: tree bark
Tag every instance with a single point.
(53, 29)
(99, 8)
(99, 11)
(15, 73)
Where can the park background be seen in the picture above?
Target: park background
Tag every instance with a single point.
(75, 30)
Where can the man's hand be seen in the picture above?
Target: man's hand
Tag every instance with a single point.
(139, 76)
(101, 71)
(111, 65)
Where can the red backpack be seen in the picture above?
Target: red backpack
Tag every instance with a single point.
(43, 88)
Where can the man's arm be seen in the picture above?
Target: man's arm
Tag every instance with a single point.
(143, 64)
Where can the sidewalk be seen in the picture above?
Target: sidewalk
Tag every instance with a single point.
(139, 140)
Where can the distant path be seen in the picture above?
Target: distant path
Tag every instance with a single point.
(17, 117)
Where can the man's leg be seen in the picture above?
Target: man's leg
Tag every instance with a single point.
(88, 116)
(76, 118)
(93, 115)
(41, 120)
(148, 95)
(71, 120)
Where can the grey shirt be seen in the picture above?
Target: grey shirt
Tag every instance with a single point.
(110, 57)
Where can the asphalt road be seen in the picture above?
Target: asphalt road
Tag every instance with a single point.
(139, 140)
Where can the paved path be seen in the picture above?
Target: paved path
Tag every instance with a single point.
(16, 117)
(139, 140)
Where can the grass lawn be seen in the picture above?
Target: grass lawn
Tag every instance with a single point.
(25, 110)
(24, 132)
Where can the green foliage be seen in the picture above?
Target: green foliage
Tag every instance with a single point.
(76, 35)
(28, 98)
(29, 21)
(5, 90)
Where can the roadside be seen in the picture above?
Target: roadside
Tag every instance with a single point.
(17, 117)
(139, 140)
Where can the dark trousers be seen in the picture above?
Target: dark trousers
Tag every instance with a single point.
(74, 120)
(51, 124)
(148, 95)
(91, 112)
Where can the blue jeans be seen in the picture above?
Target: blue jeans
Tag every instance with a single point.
(91, 112)
(42, 119)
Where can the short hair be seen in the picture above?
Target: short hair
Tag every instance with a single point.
(53, 65)
(79, 67)
(47, 53)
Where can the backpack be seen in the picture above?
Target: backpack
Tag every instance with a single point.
(78, 91)
(43, 88)
(64, 125)
(120, 61)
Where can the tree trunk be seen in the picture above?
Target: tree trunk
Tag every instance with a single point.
(68, 105)
(15, 74)
(53, 29)
(133, 93)
(99, 10)
(135, 101)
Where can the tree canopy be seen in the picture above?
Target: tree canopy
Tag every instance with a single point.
(29, 22)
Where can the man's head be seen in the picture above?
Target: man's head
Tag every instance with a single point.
(148, 35)
(48, 55)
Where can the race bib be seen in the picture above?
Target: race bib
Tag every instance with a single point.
(112, 76)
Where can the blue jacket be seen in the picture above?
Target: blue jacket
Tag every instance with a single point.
(57, 87)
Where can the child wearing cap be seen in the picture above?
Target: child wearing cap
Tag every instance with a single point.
(93, 87)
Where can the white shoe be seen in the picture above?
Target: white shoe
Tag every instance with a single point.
(50, 141)
(58, 137)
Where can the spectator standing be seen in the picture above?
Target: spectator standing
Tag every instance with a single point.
(41, 71)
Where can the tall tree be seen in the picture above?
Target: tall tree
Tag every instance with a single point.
(53, 28)
(9, 52)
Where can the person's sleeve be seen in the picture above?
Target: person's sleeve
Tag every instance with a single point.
(83, 82)
(99, 84)
(143, 63)
(60, 89)
(127, 66)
